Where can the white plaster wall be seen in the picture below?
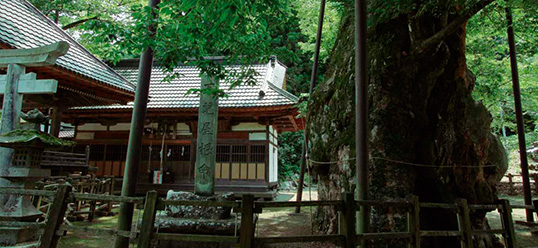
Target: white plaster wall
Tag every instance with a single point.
(85, 136)
(257, 136)
(92, 127)
(120, 127)
(279, 74)
(248, 126)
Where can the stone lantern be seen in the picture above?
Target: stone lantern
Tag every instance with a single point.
(23, 171)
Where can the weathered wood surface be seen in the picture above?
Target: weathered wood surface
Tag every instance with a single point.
(195, 238)
(247, 222)
(464, 223)
(49, 239)
(107, 198)
(507, 223)
(337, 238)
(348, 221)
(148, 220)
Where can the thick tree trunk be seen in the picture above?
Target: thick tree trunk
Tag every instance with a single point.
(427, 135)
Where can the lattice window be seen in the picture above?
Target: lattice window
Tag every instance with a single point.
(239, 153)
(257, 154)
(223, 153)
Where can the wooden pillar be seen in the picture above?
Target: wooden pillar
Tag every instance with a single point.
(246, 238)
(527, 195)
(56, 121)
(348, 220)
(136, 133)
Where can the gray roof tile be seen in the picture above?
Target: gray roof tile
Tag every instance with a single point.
(173, 94)
(24, 26)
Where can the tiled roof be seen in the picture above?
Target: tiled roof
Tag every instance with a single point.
(173, 94)
(24, 26)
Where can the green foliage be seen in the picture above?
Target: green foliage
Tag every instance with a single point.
(488, 59)
(308, 13)
(98, 25)
(289, 154)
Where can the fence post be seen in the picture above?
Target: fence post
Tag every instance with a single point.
(111, 193)
(464, 223)
(535, 204)
(246, 233)
(413, 222)
(37, 199)
(510, 184)
(535, 178)
(508, 223)
(148, 220)
(55, 218)
(348, 220)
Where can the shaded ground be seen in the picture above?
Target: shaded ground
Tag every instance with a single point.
(276, 222)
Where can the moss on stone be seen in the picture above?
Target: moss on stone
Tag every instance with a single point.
(20, 137)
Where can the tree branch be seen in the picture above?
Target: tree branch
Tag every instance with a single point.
(79, 22)
(450, 28)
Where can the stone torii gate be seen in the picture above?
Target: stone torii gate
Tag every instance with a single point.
(17, 83)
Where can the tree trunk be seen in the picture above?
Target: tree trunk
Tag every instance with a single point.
(427, 136)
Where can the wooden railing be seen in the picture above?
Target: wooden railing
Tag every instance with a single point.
(81, 209)
(347, 208)
(248, 208)
(54, 216)
(512, 183)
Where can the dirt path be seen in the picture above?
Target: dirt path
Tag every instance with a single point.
(285, 222)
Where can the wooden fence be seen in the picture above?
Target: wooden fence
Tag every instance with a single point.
(347, 208)
(512, 189)
(80, 209)
(247, 208)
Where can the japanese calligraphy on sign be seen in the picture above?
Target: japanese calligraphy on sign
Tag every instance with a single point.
(204, 183)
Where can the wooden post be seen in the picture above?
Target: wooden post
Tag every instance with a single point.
(313, 80)
(112, 180)
(148, 220)
(535, 178)
(92, 210)
(535, 204)
(413, 222)
(37, 199)
(527, 195)
(348, 220)
(246, 233)
(508, 223)
(510, 183)
(464, 222)
(49, 239)
(136, 133)
(56, 121)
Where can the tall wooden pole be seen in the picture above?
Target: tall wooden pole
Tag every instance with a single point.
(313, 80)
(135, 139)
(519, 116)
(361, 113)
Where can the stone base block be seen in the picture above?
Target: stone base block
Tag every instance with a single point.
(11, 236)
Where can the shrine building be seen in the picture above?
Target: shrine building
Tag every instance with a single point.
(83, 79)
(96, 100)
(250, 119)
